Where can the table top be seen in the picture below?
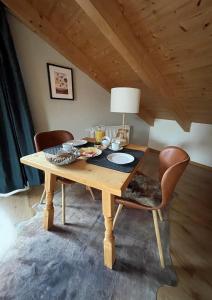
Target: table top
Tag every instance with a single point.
(85, 173)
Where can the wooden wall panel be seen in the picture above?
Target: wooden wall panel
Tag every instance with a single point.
(179, 37)
(175, 35)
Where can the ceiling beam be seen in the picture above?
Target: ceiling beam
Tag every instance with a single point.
(40, 25)
(107, 16)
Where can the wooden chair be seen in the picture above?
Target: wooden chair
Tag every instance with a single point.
(49, 139)
(146, 193)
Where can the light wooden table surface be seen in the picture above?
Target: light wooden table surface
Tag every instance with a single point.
(110, 182)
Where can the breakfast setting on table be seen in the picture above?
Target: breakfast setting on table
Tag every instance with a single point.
(100, 150)
(99, 161)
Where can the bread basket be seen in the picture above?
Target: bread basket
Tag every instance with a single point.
(60, 157)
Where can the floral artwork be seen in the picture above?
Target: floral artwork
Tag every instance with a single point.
(60, 82)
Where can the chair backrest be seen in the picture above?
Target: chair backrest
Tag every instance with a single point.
(173, 161)
(49, 139)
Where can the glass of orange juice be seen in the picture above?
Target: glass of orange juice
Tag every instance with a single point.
(99, 134)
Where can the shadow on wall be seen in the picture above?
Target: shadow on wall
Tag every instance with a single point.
(42, 123)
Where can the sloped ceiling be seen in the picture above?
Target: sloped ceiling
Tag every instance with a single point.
(163, 47)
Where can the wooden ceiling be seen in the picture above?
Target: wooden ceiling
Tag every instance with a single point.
(163, 47)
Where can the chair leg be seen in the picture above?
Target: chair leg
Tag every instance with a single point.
(63, 204)
(88, 188)
(117, 214)
(160, 215)
(43, 196)
(157, 232)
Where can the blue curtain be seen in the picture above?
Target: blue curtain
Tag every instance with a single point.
(16, 129)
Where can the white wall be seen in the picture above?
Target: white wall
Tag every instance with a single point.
(92, 102)
(197, 142)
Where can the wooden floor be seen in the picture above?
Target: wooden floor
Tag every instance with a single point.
(191, 224)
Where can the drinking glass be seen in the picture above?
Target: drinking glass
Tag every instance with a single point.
(99, 134)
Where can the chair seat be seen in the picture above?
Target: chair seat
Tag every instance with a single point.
(143, 190)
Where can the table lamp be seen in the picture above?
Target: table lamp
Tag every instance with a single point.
(125, 100)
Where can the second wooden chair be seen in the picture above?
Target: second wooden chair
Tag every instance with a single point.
(146, 193)
(47, 139)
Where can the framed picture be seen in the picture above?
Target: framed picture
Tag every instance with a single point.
(60, 82)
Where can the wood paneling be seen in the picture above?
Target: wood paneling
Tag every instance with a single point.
(110, 21)
(163, 47)
(178, 35)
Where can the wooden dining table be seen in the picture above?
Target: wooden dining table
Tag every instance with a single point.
(110, 182)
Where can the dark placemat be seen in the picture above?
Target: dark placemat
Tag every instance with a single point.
(102, 160)
(89, 144)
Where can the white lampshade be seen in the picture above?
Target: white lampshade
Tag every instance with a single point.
(125, 100)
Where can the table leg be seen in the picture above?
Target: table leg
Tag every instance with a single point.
(50, 180)
(109, 240)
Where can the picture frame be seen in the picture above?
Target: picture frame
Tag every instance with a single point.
(123, 135)
(60, 82)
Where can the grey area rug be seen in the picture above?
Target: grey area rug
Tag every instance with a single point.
(67, 262)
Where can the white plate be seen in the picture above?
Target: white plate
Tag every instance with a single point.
(121, 148)
(120, 158)
(76, 142)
